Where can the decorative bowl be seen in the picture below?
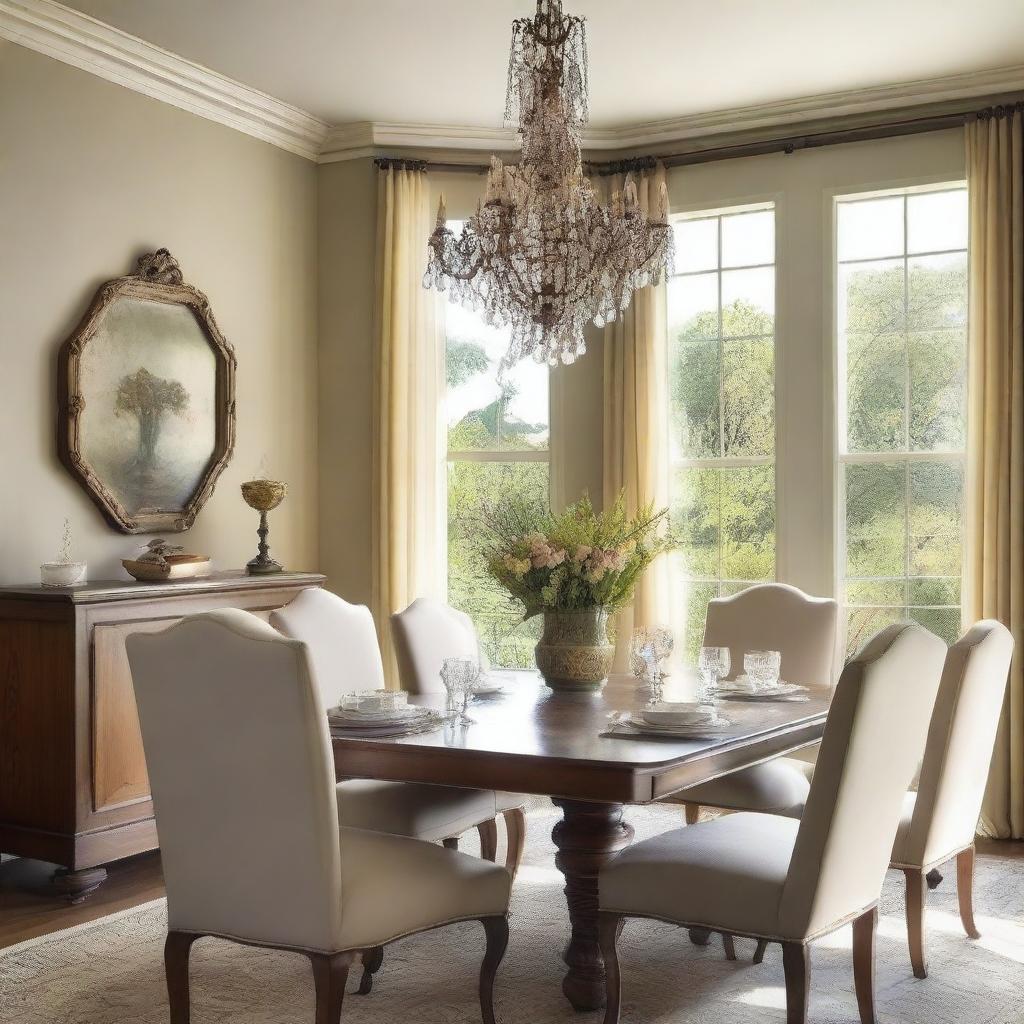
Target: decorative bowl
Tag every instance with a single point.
(174, 567)
(264, 495)
(62, 574)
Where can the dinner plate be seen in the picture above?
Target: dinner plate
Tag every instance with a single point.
(707, 730)
(676, 713)
(781, 689)
(353, 718)
(488, 686)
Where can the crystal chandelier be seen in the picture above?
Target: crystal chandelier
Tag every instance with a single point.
(542, 254)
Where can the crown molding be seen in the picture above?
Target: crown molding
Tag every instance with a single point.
(74, 38)
(83, 42)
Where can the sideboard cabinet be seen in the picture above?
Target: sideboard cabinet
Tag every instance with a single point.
(73, 784)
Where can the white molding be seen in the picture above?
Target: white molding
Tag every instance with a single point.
(83, 42)
(74, 38)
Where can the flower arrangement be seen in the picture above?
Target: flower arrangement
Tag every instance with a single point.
(576, 560)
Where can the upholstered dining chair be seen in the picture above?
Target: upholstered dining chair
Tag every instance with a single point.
(232, 725)
(778, 617)
(425, 633)
(345, 657)
(775, 878)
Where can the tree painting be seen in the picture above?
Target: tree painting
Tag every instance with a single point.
(149, 399)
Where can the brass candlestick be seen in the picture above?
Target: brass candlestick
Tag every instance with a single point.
(263, 496)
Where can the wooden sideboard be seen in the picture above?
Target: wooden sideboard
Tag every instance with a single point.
(73, 784)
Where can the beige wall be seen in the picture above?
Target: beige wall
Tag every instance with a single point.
(91, 176)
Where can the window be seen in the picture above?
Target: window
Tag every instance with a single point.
(901, 287)
(497, 444)
(721, 327)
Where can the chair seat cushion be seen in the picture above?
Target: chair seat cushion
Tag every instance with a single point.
(900, 848)
(726, 874)
(775, 787)
(508, 801)
(393, 886)
(412, 809)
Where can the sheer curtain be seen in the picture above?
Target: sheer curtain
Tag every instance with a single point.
(408, 554)
(994, 512)
(636, 424)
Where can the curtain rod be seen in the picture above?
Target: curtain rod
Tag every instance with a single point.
(791, 144)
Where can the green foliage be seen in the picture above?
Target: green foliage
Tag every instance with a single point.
(464, 359)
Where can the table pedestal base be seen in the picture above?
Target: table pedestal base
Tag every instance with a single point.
(587, 837)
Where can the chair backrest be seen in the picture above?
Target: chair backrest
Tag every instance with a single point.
(426, 633)
(242, 776)
(958, 753)
(341, 640)
(873, 742)
(777, 617)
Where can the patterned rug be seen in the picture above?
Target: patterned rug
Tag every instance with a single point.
(110, 971)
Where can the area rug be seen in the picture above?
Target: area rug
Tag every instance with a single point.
(110, 971)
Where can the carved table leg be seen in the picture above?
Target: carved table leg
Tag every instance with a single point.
(587, 837)
(76, 886)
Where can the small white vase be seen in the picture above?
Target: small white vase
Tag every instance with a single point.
(62, 574)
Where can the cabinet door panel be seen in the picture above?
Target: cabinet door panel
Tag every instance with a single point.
(119, 774)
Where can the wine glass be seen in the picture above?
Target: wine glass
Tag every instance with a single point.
(762, 667)
(714, 665)
(459, 676)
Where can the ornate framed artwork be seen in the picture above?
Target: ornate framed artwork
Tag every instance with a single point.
(146, 399)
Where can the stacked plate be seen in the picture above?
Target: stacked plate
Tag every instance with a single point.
(488, 685)
(742, 688)
(681, 720)
(382, 722)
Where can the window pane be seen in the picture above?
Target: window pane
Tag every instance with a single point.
(696, 500)
(748, 396)
(748, 523)
(876, 509)
(870, 228)
(935, 515)
(696, 244)
(693, 307)
(871, 297)
(694, 400)
(875, 393)
(937, 221)
(937, 292)
(748, 239)
(695, 603)
(863, 623)
(938, 384)
(748, 302)
(507, 640)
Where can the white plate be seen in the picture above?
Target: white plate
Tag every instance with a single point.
(631, 726)
(681, 713)
(782, 689)
(487, 686)
(355, 719)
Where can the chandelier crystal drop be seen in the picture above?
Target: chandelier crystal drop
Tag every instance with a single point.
(542, 254)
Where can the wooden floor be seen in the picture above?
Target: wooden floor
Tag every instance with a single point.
(28, 910)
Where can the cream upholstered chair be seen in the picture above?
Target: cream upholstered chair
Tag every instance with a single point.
(778, 617)
(772, 877)
(345, 657)
(233, 725)
(426, 633)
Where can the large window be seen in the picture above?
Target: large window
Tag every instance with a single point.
(721, 324)
(497, 445)
(901, 287)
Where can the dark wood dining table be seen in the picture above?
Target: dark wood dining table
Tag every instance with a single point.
(532, 740)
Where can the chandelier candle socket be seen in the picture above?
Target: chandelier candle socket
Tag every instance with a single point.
(542, 254)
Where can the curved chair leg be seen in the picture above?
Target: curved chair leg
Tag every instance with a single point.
(451, 843)
(608, 928)
(864, 929)
(730, 946)
(934, 878)
(692, 814)
(762, 945)
(965, 891)
(515, 835)
(796, 960)
(329, 976)
(372, 959)
(488, 832)
(177, 948)
(915, 920)
(496, 930)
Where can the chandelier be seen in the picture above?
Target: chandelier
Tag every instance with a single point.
(542, 254)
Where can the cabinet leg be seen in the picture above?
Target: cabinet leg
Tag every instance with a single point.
(76, 886)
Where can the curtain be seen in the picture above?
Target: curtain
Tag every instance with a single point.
(636, 451)
(408, 555)
(994, 500)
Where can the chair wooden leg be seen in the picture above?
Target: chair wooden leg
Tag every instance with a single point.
(699, 936)
(515, 835)
(488, 832)
(692, 814)
(864, 928)
(177, 948)
(915, 920)
(372, 959)
(451, 843)
(330, 972)
(608, 928)
(496, 930)
(730, 946)
(796, 961)
(762, 945)
(965, 891)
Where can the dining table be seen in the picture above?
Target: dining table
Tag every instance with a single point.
(530, 739)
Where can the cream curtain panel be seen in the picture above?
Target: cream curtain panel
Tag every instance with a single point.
(636, 446)
(994, 513)
(408, 558)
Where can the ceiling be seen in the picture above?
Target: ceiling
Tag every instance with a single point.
(444, 61)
